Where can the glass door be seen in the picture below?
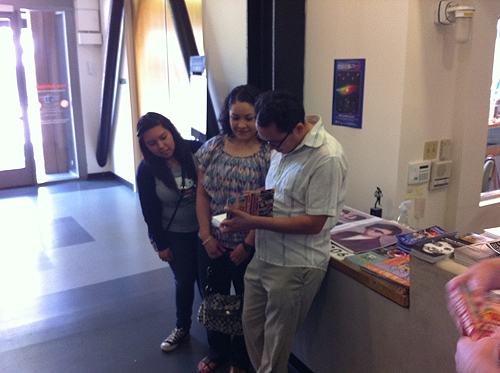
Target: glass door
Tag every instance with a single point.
(46, 137)
(17, 165)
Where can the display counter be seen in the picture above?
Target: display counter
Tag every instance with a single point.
(389, 290)
(356, 325)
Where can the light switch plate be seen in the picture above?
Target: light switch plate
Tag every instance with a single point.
(445, 150)
(431, 150)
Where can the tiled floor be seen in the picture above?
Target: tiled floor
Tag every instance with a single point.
(81, 290)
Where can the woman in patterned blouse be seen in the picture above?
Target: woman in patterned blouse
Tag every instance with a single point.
(234, 161)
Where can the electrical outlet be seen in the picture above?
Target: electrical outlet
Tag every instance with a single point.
(431, 150)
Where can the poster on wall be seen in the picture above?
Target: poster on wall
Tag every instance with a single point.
(348, 90)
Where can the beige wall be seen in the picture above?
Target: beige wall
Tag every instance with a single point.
(420, 86)
(225, 41)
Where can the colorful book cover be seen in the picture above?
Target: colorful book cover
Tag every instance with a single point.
(362, 259)
(422, 236)
(264, 203)
(395, 269)
(369, 235)
(474, 238)
(390, 252)
(255, 203)
(476, 316)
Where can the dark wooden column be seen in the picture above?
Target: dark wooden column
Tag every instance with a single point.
(276, 38)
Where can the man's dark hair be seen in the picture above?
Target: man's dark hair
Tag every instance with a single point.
(394, 229)
(281, 108)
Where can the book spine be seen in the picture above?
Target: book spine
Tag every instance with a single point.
(253, 204)
(387, 274)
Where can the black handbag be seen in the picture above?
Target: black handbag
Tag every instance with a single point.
(221, 312)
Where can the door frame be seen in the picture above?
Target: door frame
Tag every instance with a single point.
(26, 175)
(68, 7)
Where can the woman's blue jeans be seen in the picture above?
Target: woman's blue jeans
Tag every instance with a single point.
(184, 248)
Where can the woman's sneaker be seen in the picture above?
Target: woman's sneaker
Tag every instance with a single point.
(174, 339)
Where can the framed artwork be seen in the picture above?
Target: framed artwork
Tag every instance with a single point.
(348, 91)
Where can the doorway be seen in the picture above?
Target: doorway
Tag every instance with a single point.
(38, 141)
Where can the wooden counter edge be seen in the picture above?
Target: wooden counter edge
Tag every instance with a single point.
(381, 286)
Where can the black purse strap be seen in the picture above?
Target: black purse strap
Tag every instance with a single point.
(175, 211)
(183, 189)
(210, 275)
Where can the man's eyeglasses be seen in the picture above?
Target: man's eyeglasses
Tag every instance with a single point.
(274, 143)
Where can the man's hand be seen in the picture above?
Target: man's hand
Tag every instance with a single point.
(241, 221)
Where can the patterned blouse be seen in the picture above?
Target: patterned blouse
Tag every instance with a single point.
(224, 173)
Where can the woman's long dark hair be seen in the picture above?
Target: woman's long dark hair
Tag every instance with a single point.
(242, 93)
(158, 165)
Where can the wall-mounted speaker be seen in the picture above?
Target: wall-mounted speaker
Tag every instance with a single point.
(440, 174)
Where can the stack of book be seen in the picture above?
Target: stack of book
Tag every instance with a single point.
(361, 259)
(395, 270)
(469, 238)
(374, 256)
(437, 249)
(407, 241)
(469, 255)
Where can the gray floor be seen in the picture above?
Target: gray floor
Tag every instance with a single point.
(81, 290)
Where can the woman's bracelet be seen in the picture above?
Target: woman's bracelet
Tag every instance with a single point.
(208, 239)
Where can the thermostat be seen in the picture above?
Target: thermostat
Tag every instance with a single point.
(419, 172)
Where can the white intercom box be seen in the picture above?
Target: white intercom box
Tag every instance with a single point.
(440, 174)
(419, 172)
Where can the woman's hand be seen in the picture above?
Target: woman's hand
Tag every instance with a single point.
(239, 255)
(166, 255)
(214, 248)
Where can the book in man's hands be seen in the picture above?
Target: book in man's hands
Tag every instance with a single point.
(476, 316)
(254, 203)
